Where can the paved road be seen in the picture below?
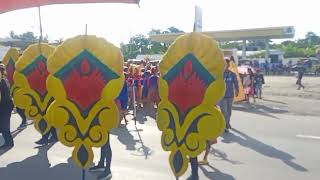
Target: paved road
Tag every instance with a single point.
(267, 143)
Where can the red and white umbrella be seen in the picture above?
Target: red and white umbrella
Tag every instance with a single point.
(10, 5)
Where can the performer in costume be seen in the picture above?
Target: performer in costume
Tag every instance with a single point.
(130, 85)
(6, 106)
(192, 65)
(86, 77)
(9, 61)
(145, 78)
(122, 102)
(153, 93)
(233, 68)
(137, 78)
(31, 94)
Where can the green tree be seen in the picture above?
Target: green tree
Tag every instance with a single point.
(305, 47)
(13, 35)
(140, 44)
(28, 36)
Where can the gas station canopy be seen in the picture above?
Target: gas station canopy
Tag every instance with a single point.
(284, 32)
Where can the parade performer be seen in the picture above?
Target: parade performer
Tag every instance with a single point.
(122, 102)
(145, 88)
(191, 84)
(130, 85)
(9, 61)
(153, 81)
(31, 94)
(234, 68)
(86, 77)
(6, 106)
(137, 79)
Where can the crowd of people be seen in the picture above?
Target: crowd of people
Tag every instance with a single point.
(252, 83)
(140, 88)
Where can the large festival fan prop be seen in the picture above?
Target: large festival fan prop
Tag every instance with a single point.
(9, 60)
(86, 76)
(31, 94)
(191, 84)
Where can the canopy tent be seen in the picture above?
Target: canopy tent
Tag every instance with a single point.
(10, 5)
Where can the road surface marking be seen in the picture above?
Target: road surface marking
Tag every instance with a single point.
(308, 137)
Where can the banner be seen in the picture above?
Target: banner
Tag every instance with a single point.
(10, 5)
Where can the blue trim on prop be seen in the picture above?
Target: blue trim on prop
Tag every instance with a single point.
(29, 68)
(92, 59)
(197, 66)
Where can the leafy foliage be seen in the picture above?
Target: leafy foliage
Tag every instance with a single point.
(305, 47)
(140, 44)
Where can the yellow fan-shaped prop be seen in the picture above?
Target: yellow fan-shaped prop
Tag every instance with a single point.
(9, 61)
(191, 84)
(86, 76)
(30, 92)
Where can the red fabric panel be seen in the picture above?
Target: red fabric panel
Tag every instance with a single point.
(10, 5)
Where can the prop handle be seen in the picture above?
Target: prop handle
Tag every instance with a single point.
(134, 104)
(40, 27)
(83, 174)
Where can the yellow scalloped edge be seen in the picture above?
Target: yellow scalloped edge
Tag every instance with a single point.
(23, 90)
(32, 52)
(97, 46)
(13, 54)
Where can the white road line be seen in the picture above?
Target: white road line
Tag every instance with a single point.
(308, 137)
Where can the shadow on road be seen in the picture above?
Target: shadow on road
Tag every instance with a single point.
(13, 134)
(274, 101)
(259, 109)
(143, 150)
(262, 148)
(215, 174)
(38, 167)
(125, 137)
(223, 156)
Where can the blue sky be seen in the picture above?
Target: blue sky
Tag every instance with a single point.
(117, 22)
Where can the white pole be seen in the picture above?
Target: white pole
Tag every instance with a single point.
(134, 104)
